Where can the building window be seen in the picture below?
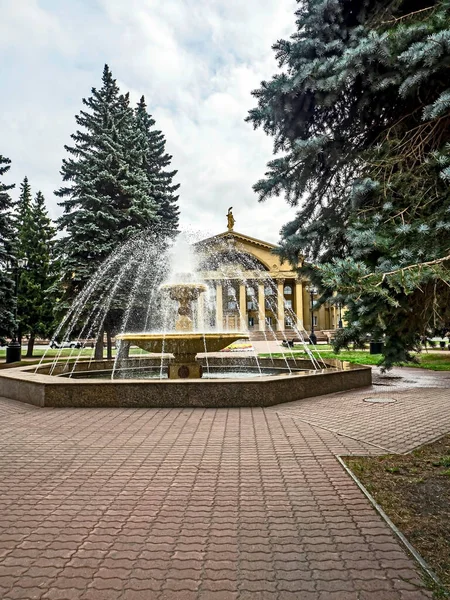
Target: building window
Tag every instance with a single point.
(315, 320)
(269, 321)
(251, 321)
(269, 291)
(232, 305)
(251, 306)
(288, 303)
(251, 292)
(288, 290)
(288, 323)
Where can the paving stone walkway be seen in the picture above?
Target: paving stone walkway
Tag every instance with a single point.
(111, 504)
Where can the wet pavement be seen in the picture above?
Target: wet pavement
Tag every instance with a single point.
(134, 504)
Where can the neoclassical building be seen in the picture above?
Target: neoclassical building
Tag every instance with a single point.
(261, 292)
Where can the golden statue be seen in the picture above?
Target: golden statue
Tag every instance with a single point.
(231, 220)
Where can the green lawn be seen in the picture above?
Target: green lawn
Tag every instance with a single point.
(65, 352)
(431, 361)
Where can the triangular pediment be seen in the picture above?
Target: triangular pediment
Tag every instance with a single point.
(258, 249)
(236, 237)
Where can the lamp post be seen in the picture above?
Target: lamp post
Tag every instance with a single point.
(312, 337)
(340, 316)
(13, 349)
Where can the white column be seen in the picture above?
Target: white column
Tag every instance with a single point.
(243, 307)
(201, 313)
(298, 303)
(219, 307)
(280, 304)
(262, 307)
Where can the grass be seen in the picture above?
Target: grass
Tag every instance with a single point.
(433, 361)
(65, 352)
(427, 360)
(414, 490)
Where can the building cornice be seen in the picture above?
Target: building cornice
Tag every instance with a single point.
(234, 235)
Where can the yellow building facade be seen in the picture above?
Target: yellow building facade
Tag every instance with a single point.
(261, 293)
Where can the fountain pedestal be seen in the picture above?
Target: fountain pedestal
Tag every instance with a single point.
(183, 343)
(193, 370)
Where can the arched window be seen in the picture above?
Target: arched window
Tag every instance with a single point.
(268, 290)
(288, 290)
(250, 291)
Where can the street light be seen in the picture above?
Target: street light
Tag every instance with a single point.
(312, 337)
(340, 316)
(13, 349)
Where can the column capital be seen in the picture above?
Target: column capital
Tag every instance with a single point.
(280, 279)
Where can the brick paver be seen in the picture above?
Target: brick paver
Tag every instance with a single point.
(415, 417)
(203, 504)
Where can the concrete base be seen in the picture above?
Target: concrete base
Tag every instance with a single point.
(192, 370)
(41, 389)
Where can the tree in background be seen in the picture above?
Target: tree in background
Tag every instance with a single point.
(360, 115)
(22, 216)
(37, 278)
(7, 296)
(156, 161)
(107, 198)
(22, 226)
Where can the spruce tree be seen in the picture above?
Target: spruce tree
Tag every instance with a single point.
(107, 199)
(7, 259)
(22, 225)
(156, 162)
(22, 217)
(360, 115)
(35, 298)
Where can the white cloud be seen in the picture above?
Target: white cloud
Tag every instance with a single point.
(196, 61)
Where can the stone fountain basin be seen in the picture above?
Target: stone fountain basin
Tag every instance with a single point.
(183, 343)
(36, 386)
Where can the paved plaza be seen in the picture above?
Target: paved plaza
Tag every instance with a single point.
(124, 504)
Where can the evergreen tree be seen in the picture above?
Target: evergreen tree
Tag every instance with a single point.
(361, 115)
(22, 217)
(156, 161)
(22, 226)
(35, 298)
(7, 296)
(108, 198)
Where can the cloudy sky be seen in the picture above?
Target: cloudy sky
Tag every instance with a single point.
(196, 61)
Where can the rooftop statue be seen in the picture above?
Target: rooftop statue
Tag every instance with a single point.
(230, 218)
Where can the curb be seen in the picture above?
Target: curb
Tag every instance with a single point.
(394, 528)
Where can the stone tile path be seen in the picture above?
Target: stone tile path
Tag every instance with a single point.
(110, 504)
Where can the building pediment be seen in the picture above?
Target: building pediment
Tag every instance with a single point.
(260, 250)
(233, 237)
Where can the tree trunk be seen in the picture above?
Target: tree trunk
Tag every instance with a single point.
(30, 347)
(98, 353)
(108, 342)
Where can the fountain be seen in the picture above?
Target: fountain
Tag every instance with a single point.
(184, 344)
(159, 298)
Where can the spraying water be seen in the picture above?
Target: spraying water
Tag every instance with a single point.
(129, 291)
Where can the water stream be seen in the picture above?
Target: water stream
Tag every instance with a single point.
(127, 290)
